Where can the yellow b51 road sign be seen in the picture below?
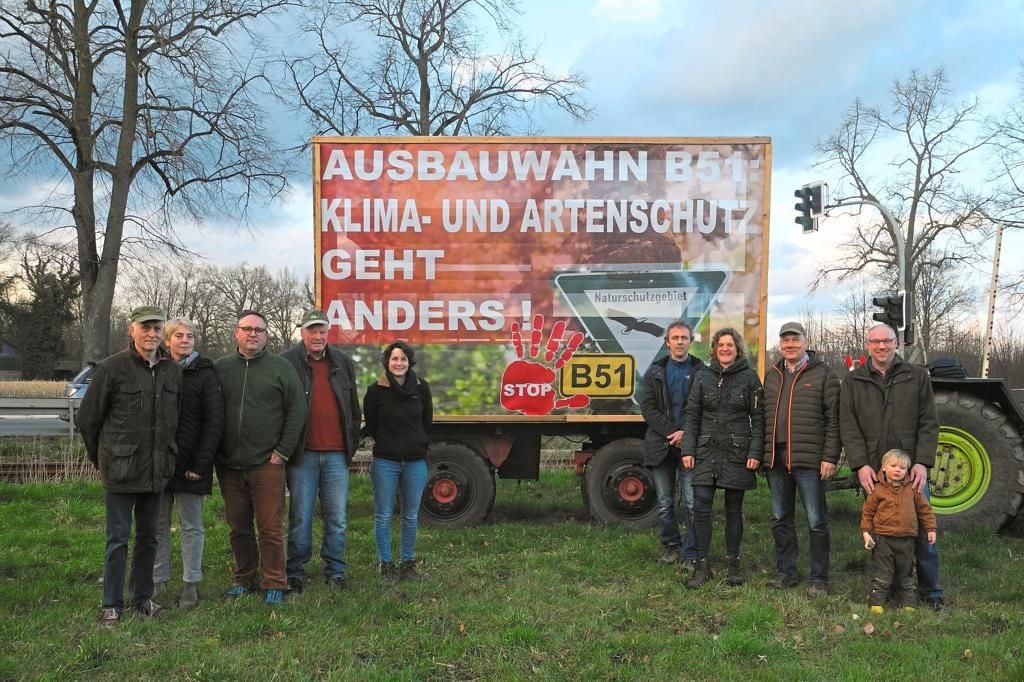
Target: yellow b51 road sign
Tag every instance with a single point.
(603, 375)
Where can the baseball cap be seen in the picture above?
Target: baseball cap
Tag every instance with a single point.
(792, 328)
(313, 316)
(148, 313)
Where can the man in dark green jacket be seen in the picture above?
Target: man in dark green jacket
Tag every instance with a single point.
(264, 414)
(128, 420)
(887, 404)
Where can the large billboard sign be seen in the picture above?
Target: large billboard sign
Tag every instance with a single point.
(452, 241)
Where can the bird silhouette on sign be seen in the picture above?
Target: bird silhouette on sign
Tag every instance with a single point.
(632, 324)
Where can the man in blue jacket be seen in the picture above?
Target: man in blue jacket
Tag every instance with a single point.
(663, 401)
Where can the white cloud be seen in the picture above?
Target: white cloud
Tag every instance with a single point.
(630, 11)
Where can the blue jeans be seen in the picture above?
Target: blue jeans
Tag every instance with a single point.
(665, 477)
(391, 478)
(312, 474)
(784, 485)
(927, 563)
(119, 510)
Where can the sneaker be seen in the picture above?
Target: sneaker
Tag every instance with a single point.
(148, 608)
(935, 604)
(236, 591)
(817, 589)
(336, 582)
(407, 570)
(295, 585)
(783, 582)
(273, 597)
(876, 609)
(110, 616)
(672, 555)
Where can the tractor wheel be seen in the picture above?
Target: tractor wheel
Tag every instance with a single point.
(978, 477)
(460, 487)
(618, 488)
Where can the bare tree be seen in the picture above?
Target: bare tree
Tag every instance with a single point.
(943, 302)
(142, 111)
(428, 75)
(938, 218)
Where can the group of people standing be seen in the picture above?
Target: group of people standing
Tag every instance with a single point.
(159, 419)
(715, 425)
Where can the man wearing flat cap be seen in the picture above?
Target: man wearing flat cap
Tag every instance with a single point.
(320, 465)
(801, 411)
(128, 420)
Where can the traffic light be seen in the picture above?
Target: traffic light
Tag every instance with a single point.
(812, 200)
(897, 313)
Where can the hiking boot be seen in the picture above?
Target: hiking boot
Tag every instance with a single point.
(936, 604)
(110, 617)
(189, 596)
(388, 571)
(407, 570)
(295, 585)
(273, 597)
(701, 574)
(688, 565)
(673, 555)
(783, 582)
(158, 587)
(236, 591)
(733, 576)
(336, 582)
(148, 608)
(817, 589)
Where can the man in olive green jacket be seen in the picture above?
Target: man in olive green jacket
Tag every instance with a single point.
(128, 420)
(887, 404)
(265, 412)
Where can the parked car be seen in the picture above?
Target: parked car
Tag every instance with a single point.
(76, 387)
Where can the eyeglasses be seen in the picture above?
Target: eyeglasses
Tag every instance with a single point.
(252, 330)
(881, 342)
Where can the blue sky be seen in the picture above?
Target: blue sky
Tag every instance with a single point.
(786, 69)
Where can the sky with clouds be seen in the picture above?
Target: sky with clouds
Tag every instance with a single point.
(782, 68)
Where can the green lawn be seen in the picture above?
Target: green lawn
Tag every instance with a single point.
(537, 592)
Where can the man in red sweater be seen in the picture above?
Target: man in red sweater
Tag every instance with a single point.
(321, 464)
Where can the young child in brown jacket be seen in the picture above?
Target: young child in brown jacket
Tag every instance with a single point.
(892, 517)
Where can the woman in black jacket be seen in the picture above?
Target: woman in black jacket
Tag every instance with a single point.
(398, 410)
(723, 445)
(200, 423)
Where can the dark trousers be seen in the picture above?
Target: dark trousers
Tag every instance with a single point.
(784, 485)
(256, 495)
(119, 510)
(893, 560)
(703, 499)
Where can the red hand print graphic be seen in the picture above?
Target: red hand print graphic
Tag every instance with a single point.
(527, 386)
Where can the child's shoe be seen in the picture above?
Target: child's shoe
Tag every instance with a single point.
(877, 609)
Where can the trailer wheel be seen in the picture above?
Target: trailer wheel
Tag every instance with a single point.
(969, 485)
(460, 487)
(618, 488)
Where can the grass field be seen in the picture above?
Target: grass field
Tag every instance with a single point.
(538, 592)
(32, 389)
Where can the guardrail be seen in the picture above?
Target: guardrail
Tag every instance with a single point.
(53, 407)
